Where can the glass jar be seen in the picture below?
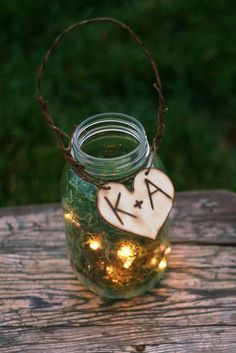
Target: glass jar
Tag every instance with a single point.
(112, 263)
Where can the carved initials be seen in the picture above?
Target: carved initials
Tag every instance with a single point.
(115, 208)
(148, 183)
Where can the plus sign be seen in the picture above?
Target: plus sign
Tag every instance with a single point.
(138, 204)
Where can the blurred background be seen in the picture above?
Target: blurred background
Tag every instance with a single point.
(99, 69)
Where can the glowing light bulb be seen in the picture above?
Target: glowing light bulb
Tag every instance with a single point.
(128, 263)
(162, 265)
(127, 253)
(109, 269)
(95, 245)
(94, 242)
(67, 216)
(153, 261)
(168, 250)
(70, 217)
(112, 274)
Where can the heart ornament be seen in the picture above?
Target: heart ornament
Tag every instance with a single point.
(141, 211)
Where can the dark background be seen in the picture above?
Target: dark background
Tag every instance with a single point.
(99, 69)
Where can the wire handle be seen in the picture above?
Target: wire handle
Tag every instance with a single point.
(61, 136)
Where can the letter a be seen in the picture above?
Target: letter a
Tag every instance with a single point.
(150, 193)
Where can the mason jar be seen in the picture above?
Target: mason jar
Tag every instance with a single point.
(110, 262)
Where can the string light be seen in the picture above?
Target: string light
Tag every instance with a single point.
(111, 274)
(128, 263)
(70, 217)
(109, 270)
(127, 253)
(116, 275)
(162, 265)
(95, 245)
(168, 250)
(94, 242)
(153, 261)
(159, 252)
(116, 266)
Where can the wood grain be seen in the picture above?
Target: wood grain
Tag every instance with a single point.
(44, 308)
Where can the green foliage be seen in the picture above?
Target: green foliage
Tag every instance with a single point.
(99, 69)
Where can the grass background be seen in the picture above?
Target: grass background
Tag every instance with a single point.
(99, 69)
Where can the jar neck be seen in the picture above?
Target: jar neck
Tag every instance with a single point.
(118, 143)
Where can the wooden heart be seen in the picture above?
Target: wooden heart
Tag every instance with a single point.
(142, 211)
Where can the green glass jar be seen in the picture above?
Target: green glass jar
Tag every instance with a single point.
(112, 263)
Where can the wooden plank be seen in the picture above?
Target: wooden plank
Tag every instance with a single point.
(128, 338)
(204, 217)
(207, 217)
(188, 295)
(203, 276)
(44, 308)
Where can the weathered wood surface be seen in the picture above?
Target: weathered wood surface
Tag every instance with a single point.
(43, 308)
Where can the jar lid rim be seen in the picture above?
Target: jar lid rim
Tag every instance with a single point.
(128, 120)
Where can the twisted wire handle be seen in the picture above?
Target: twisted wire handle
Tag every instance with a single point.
(61, 136)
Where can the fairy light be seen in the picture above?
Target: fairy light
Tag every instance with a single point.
(109, 270)
(162, 265)
(128, 263)
(94, 245)
(153, 261)
(70, 217)
(127, 253)
(116, 275)
(168, 250)
(94, 241)
(112, 274)
(159, 252)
